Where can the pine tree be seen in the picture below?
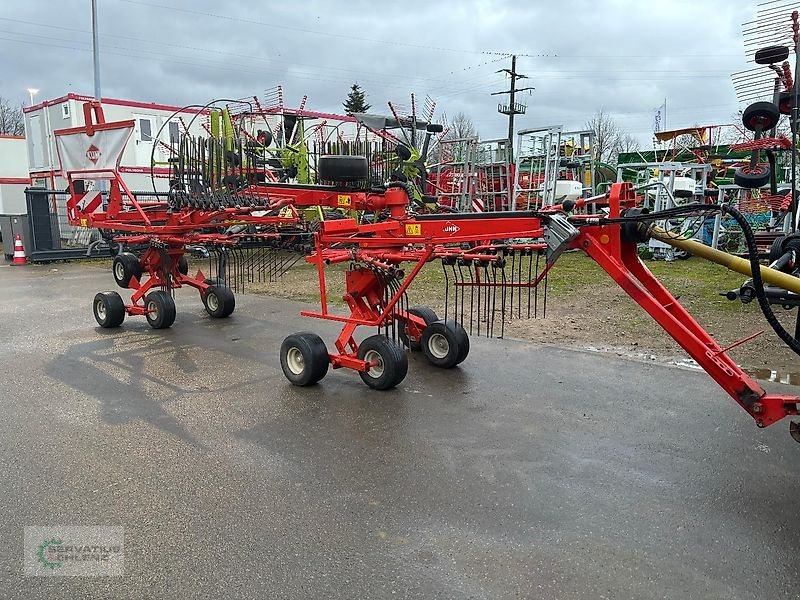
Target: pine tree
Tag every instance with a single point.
(356, 101)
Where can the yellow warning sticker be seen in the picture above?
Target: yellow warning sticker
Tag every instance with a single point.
(345, 201)
(413, 229)
(84, 223)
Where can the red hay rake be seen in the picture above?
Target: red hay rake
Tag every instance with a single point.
(495, 263)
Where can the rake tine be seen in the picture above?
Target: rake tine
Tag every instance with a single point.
(461, 275)
(513, 270)
(530, 265)
(446, 288)
(503, 299)
(471, 295)
(494, 297)
(536, 290)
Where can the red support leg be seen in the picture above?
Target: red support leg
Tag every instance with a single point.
(640, 284)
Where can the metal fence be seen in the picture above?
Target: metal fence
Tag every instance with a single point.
(52, 237)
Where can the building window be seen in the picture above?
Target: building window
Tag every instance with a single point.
(145, 130)
(65, 110)
(174, 132)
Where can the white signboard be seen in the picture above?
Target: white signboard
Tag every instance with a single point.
(80, 151)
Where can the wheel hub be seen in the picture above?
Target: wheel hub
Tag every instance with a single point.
(438, 345)
(376, 371)
(100, 309)
(213, 302)
(119, 271)
(152, 308)
(295, 361)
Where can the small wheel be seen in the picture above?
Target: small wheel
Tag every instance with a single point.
(776, 251)
(215, 281)
(785, 103)
(445, 344)
(391, 362)
(427, 315)
(304, 358)
(219, 301)
(183, 265)
(125, 267)
(161, 309)
(751, 177)
(109, 309)
(463, 340)
(770, 55)
(761, 116)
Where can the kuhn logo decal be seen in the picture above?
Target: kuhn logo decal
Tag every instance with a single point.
(93, 154)
(451, 228)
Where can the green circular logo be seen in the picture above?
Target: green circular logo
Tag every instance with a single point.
(42, 556)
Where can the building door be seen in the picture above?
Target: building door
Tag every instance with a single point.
(143, 133)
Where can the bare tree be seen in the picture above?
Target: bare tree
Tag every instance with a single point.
(12, 121)
(608, 137)
(629, 143)
(461, 126)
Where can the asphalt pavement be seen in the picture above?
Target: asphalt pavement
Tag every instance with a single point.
(529, 472)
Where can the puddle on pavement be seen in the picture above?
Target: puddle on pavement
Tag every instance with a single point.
(777, 376)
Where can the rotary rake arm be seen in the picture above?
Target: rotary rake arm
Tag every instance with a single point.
(508, 245)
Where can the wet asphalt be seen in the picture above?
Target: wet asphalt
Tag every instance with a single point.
(529, 472)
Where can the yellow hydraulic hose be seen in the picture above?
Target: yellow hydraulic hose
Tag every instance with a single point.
(734, 263)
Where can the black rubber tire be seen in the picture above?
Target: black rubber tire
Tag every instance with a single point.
(761, 116)
(785, 103)
(393, 362)
(163, 307)
(219, 301)
(746, 178)
(342, 168)
(304, 358)
(125, 267)
(183, 265)
(109, 309)
(427, 315)
(463, 340)
(770, 55)
(441, 344)
(683, 194)
(776, 251)
(215, 281)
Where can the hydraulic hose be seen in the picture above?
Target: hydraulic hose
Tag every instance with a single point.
(758, 282)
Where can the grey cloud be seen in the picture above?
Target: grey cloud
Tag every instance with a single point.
(619, 55)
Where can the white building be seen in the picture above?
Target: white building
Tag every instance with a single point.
(155, 126)
(13, 174)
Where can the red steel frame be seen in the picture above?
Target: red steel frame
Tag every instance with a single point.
(389, 244)
(397, 239)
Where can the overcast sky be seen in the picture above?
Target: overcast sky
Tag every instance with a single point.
(622, 56)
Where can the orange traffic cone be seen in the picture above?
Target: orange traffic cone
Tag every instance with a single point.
(19, 252)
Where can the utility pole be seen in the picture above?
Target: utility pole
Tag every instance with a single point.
(513, 107)
(95, 51)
